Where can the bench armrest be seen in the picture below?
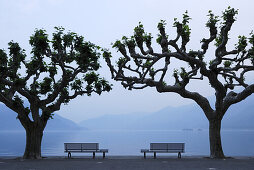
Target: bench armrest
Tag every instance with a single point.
(144, 150)
(103, 150)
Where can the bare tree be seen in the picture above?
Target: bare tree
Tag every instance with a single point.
(58, 71)
(143, 68)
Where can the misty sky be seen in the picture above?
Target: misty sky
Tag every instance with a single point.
(104, 21)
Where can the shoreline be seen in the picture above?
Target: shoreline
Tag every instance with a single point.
(127, 163)
(130, 157)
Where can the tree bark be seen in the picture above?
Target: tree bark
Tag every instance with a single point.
(33, 143)
(216, 150)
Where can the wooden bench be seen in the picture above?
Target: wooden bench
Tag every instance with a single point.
(164, 148)
(84, 147)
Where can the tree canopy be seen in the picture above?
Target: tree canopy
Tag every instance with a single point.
(52, 73)
(141, 66)
(57, 71)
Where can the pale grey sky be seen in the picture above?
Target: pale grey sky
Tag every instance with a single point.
(104, 21)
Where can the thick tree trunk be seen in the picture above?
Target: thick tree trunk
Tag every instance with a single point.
(33, 143)
(215, 139)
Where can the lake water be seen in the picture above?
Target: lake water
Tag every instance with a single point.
(235, 142)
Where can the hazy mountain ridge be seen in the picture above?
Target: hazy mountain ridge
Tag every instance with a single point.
(8, 121)
(239, 116)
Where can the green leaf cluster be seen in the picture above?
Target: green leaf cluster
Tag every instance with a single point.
(138, 33)
(212, 21)
(3, 58)
(39, 42)
(218, 40)
(161, 25)
(229, 15)
(95, 83)
(17, 55)
(183, 28)
(119, 46)
(148, 38)
(159, 38)
(3, 63)
(77, 85)
(227, 63)
(46, 85)
(175, 73)
(242, 44)
(141, 36)
(251, 50)
(148, 63)
(106, 54)
(121, 61)
(251, 39)
(151, 72)
(130, 42)
(183, 73)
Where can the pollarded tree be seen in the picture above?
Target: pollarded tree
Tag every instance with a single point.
(145, 68)
(58, 71)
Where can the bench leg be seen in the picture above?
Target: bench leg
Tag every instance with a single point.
(154, 155)
(103, 155)
(69, 154)
(179, 154)
(93, 155)
(144, 155)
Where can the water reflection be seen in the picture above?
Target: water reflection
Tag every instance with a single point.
(235, 143)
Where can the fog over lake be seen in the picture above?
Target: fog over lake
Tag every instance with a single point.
(235, 143)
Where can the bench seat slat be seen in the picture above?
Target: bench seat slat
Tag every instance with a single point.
(164, 148)
(162, 151)
(84, 148)
(88, 151)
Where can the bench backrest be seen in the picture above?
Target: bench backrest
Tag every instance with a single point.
(81, 146)
(167, 146)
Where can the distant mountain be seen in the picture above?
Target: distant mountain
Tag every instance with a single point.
(8, 121)
(239, 116)
(121, 121)
(59, 123)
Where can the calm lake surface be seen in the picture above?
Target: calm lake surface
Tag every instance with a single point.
(235, 142)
